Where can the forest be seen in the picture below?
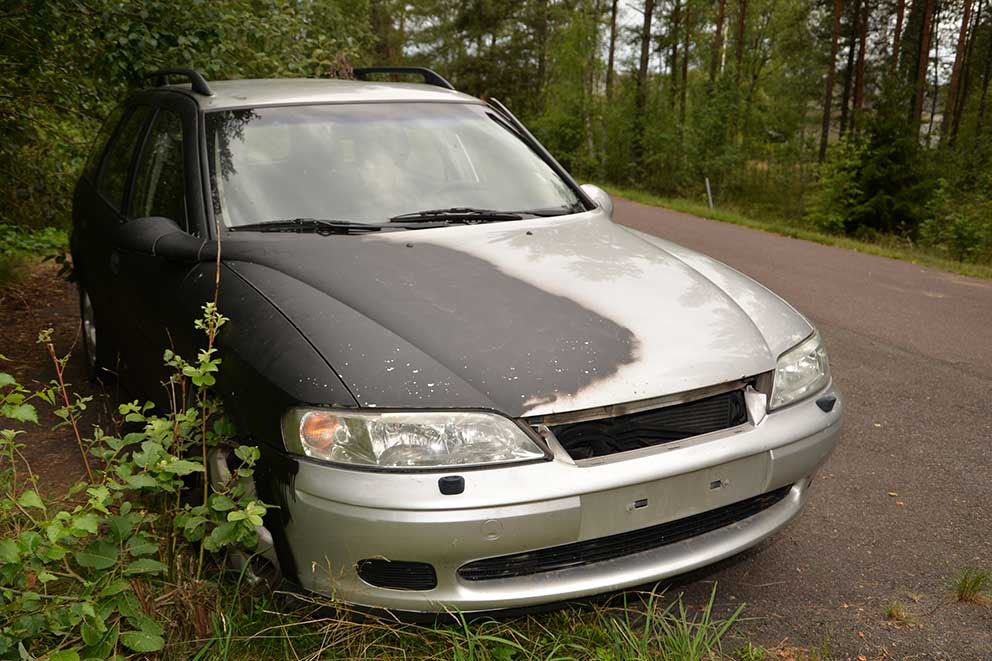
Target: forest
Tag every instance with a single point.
(865, 119)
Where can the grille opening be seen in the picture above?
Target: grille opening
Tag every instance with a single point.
(633, 431)
(397, 575)
(580, 554)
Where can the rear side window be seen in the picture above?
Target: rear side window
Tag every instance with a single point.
(159, 184)
(100, 144)
(117, 167)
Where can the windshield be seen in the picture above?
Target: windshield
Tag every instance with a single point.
(370, 162)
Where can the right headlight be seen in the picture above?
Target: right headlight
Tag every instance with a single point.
(407, 440)
(801, 371)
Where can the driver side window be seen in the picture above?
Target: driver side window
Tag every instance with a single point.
(160, 181)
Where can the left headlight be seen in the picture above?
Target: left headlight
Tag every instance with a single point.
(801, 371)
(407, 440)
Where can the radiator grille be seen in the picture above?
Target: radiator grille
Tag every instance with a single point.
(580, 554)
(633, 431)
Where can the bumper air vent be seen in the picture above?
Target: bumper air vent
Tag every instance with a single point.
(397, 575)
(582, 554)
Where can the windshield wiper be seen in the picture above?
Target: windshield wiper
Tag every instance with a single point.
(563, 210)
(317, 225)
(467, 215)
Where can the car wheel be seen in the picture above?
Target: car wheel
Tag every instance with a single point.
(98, 354)
(258, 566)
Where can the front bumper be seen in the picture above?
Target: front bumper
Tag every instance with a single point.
(339, 517)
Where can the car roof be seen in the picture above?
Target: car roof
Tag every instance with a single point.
(291, 91)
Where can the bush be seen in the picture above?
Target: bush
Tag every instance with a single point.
(78, 573)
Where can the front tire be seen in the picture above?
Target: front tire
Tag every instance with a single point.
(98, 352)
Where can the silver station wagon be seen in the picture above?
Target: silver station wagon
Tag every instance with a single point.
(472, 389)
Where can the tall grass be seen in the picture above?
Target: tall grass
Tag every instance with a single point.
(645, 626)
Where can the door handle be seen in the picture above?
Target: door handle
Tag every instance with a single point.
(115, 262)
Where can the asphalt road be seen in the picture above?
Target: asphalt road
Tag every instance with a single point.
(911, 349)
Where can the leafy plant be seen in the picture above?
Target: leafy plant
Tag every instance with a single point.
(77, 575)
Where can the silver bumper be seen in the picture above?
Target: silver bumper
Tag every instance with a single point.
(338, 517)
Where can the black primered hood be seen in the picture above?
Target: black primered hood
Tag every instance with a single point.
(525, 317)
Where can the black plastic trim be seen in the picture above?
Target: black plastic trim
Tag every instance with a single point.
(430, 77)
(397, 574)
(197, 82)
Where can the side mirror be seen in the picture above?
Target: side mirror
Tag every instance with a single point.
(160, 237)
(600, 197)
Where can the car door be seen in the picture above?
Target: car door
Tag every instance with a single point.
(166, 183)
(99, 208)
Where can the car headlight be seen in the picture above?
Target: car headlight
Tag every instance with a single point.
(801, 371)
(407, 440)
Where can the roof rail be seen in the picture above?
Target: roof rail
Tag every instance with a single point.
(430, 77)
(198, 82)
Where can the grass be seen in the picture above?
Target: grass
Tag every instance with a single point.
(971, 585)
(891, 247)
(896, 612)
(643, 626)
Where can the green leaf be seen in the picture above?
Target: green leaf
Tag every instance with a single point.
(222, 535)
(141, 545)
(118, 586)
(9, 551)
(146, 624)
(20, 412)
(91, 635)
(31, 499)
(6, 380)
(183, 467)
(98, 555)
(86, 522)
(141, 480)
(222, 503)
(145, 566)
(120, 527)
(63, 655)
(141, 641)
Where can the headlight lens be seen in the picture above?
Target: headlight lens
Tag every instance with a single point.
(407, 440)
(801, 371)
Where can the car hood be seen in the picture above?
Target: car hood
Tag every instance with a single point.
(528, 317)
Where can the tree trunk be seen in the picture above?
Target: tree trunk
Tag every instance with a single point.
(718, 42)
(852, 37)
(642, 76)
(969, 65)
(900, 14)
(923, 60)
(613, 49)
(831, 75)
(685, 63)
(674, 32)
(859, 81)
(741, 25)
(952, 90)
(986, 75)
(936, 70)
(642, 70)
